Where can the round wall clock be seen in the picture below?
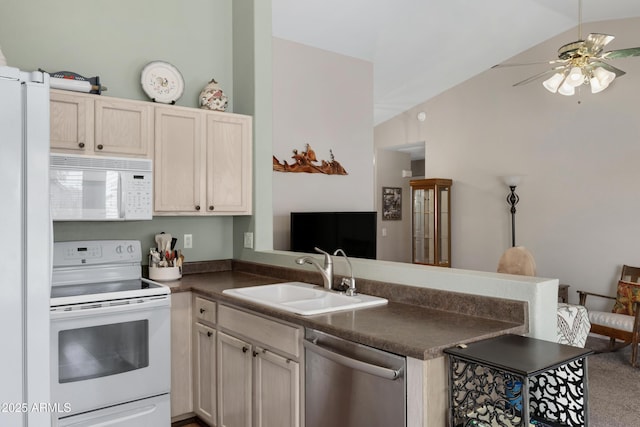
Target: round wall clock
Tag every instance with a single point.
(162, 82)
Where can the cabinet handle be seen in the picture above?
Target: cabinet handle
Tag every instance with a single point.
(245, 349)
(255, 353)
(202, 310)
(211, 208)
(197, 207)
(100, 147)
(81, 145)
(209, 333)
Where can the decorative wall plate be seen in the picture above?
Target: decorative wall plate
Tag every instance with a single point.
(162, 82)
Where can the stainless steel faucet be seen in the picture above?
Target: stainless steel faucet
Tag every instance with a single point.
(349, 282)
(326, 271)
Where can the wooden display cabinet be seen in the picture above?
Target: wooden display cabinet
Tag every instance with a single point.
(431, 221)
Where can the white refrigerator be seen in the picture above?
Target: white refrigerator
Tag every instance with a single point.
(26, 232)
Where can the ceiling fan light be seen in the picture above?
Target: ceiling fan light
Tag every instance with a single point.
(575, 77)
(553, 83)
(596, 86)
(604, 76)
(566, 89)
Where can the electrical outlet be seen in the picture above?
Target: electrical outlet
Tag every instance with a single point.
(188, 241)
(248, 240)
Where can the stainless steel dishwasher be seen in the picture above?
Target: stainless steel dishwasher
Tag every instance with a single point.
(352, 385)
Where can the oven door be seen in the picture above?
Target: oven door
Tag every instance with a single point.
(105, 354)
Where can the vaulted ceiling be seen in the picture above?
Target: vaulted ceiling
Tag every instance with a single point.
(420, 48)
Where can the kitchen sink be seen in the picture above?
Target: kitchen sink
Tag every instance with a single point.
(303, 298)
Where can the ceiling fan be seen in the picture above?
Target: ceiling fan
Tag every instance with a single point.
(580, 62)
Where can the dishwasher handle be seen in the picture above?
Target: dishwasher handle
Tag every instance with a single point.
(379, 371)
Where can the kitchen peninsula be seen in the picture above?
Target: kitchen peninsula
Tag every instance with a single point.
(417, 323)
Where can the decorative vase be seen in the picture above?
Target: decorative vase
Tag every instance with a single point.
(213, 98)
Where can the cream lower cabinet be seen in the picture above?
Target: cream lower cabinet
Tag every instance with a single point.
(98, 125)
(277, 389)
(202, 162)
(205, 360)
(259, 383)
(234, 381)
(204, 403)
(181, 385)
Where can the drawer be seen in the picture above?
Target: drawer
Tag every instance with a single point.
(205, 310)
(258, 329)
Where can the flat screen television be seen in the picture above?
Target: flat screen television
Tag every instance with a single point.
(353, 232)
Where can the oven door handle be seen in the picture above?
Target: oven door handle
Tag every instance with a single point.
(116, 418)
(110, 307)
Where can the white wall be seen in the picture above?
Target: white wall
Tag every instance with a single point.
(540, 294)
(396, 244)
(579, 197)
(326, 100)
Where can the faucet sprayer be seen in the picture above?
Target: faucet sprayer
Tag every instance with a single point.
(349, 282)
(326, 271)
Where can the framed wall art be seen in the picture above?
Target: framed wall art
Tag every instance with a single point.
(391, 203)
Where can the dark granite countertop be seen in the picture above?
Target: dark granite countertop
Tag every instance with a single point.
(407, 325)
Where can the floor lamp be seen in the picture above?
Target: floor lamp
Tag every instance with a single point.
(512, 182)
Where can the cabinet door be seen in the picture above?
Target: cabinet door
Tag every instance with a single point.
(179, 159)
(228, 163)
(234, 381)
(205, 373)
(71, 122)
(123, 127)
(181, 387)
(277, 390)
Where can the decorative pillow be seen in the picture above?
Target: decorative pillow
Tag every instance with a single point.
(628, 293)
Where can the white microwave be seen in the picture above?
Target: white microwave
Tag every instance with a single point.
(91, 188)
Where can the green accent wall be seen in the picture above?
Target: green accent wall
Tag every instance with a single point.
(212, 237)
(115, 39)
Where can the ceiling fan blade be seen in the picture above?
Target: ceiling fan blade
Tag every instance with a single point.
(621, 53)
(516, 64)
(618, 72)
(595, 42)
(539, 76)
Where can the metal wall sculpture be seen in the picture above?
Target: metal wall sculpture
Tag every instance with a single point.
(306, 161)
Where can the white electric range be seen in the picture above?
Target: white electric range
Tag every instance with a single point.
(110, 337)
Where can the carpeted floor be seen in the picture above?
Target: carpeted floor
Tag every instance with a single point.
(614, 387)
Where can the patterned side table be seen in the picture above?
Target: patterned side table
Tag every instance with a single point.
(513, 380)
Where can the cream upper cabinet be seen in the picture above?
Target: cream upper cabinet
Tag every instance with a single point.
(228, 163)
(71, 122)
(123, 127)
(97, 125)
(202, 162)
(179, 161)
(202, 159)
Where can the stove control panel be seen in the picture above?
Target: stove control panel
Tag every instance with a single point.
(93, 252)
